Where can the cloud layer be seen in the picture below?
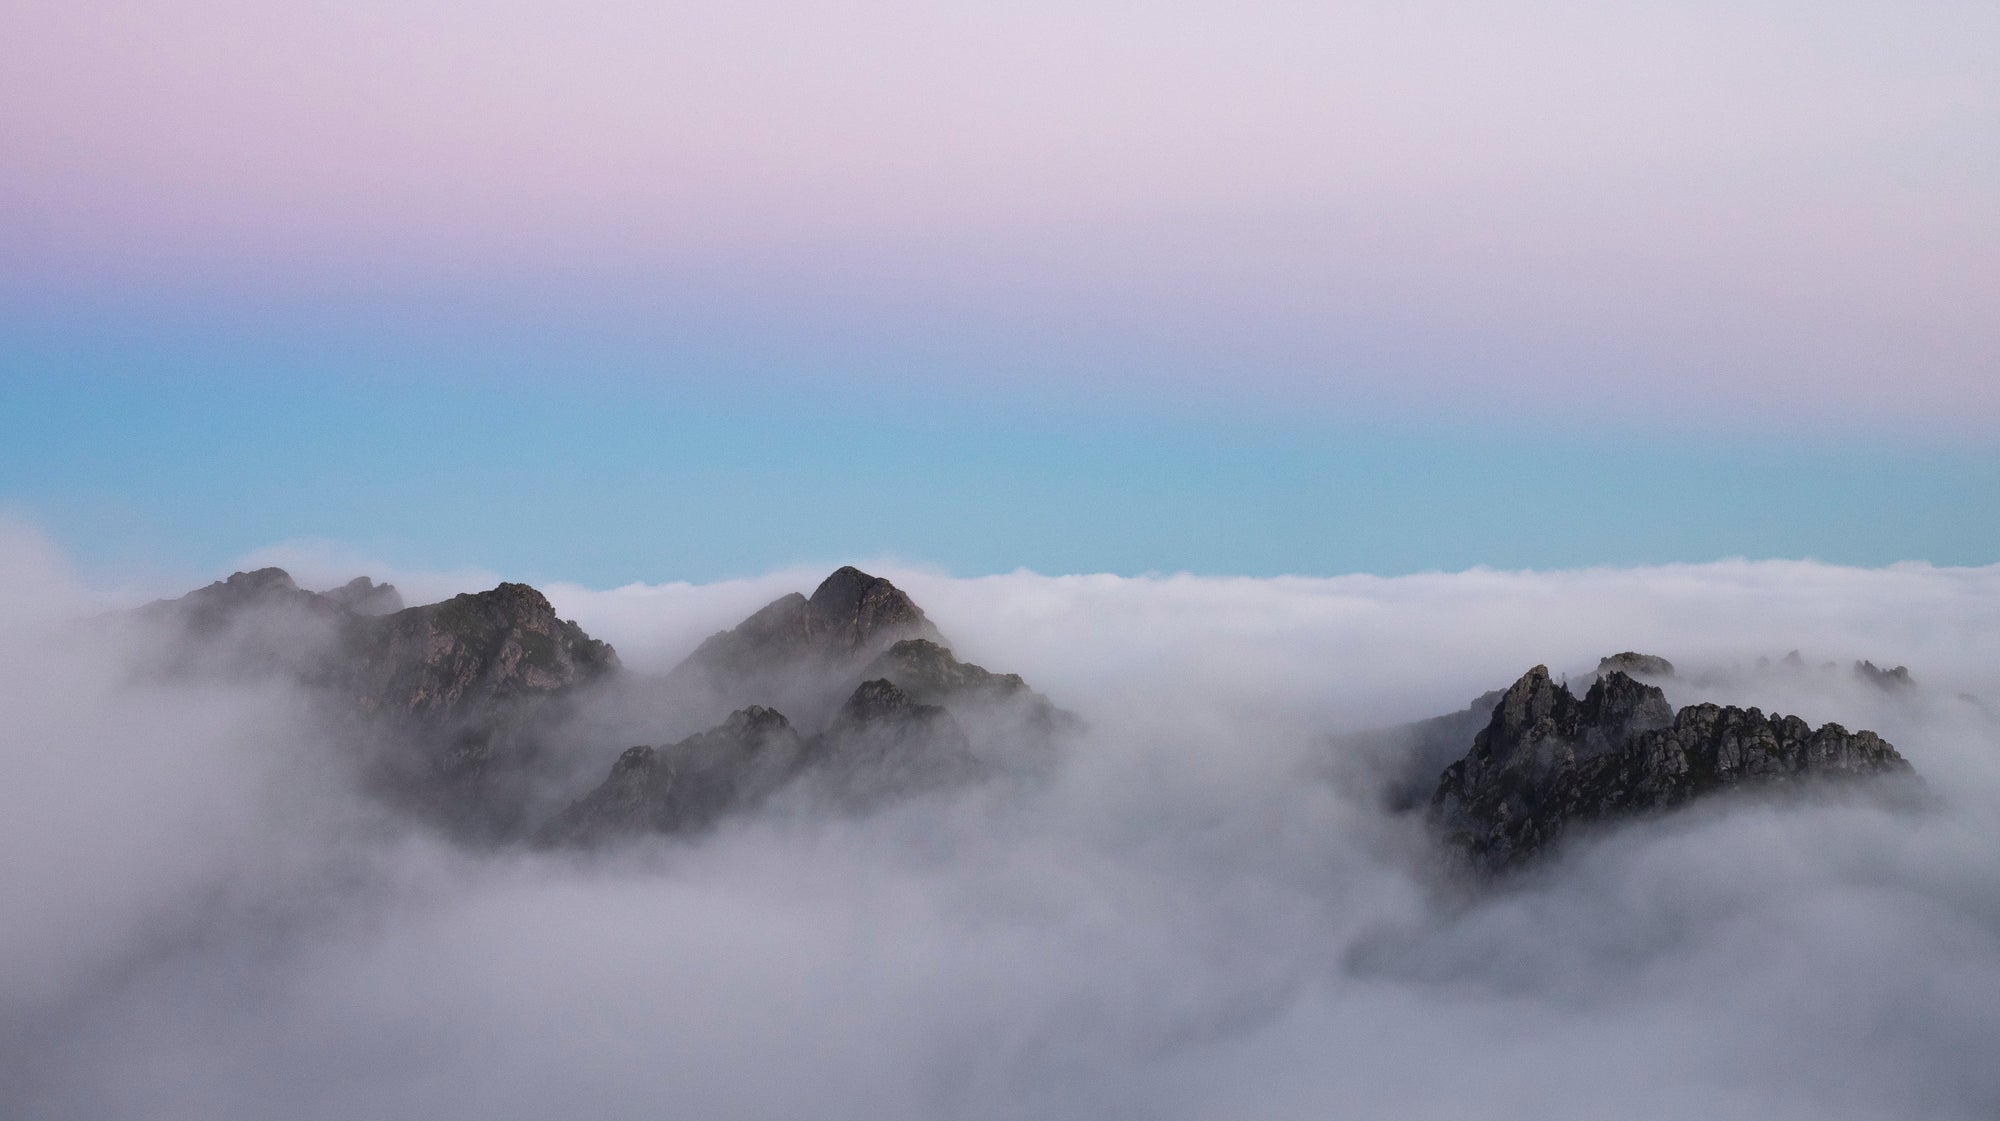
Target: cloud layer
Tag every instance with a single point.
(1191, 921)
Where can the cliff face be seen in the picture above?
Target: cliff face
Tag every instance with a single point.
(1547, 762)
(852, 611)
(495, 646)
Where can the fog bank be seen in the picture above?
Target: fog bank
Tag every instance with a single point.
(207, 918)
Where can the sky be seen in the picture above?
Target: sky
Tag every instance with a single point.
(621, 292)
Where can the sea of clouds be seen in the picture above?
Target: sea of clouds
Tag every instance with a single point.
(206, 918)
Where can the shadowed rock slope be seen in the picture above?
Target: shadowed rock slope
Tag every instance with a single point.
(686, 786)
(807, 656)
(438, 659)
(882, 746)
(899, 716)
(477, 710)
(1547, 762)
(450, 707)
(501, 645)
(801, 653)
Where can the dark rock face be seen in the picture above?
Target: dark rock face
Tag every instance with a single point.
(448, 706)
(498, 645)
(471, 710)
(851, 610)
(1635, 664)
(365, 597)
(468, 692)
(850, 613)
(1012, 728)
(252, 625)
(802, 655)
(1892, 680)
(927, 671)
(685, 787)
(884, 745)
(778, 631)
(217, 604)
(486, 646)
(1546, 762)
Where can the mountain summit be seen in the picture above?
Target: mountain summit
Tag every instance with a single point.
(897, 716)
(1547, 762)
(849, 615)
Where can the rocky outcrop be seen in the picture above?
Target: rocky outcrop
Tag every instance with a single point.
(927, 671)
(468, 709)
(1891, 680)
(685, 787)
(502, 645)
(467, 696)
(852, 611)
(219, 604)
(1547, 762)
(1635, 664)
(799, 654)
(882, 746)
(449, 707)
(439, 659)
(1011, 727)
(806, 655)
(899, 715)
(851, 614)
(365, 597)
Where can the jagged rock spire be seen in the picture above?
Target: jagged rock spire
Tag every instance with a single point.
(1547, 762)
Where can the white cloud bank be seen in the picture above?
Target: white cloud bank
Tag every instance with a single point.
(204, 921)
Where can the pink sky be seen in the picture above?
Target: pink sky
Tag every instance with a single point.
(1778, 201)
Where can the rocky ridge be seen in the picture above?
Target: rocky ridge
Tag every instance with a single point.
(496, 646)
(687, 786)
(451, 708)
(364, 596)
(1636, 664)
(910, 718)
(462, 700)
(798, 652)
(1547, 763)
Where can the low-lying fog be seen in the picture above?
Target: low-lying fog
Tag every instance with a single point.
(204, 918)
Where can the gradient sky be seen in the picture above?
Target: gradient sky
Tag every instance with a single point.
(614, 291)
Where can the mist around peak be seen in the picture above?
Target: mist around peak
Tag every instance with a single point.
(1203, 909)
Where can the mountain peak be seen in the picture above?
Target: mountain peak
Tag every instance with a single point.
(1636, 664)
(260, 580)
(852, 610)
(1546, 762)
(364, 596)
(790, 650)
